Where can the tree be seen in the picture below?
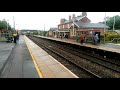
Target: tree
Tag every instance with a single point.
(3, 24)
(110, 21)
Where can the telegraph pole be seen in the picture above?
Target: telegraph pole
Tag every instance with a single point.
(44, 29)
(114, 24)
(14, 22)
(7, 25)
(105, 28)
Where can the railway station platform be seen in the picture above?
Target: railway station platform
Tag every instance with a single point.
(5, 50)
(46, 65)
(19, 63)
(28, 60)
(107, 47)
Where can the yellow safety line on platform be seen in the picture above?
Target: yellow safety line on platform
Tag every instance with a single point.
(34, 60)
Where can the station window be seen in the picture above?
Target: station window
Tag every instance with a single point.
(68, 26)
(71, 31)
(74, 33)
(59, 27)
(63, 26)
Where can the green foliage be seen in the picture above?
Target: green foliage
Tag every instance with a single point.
(109, 37)
(35, 33)
(77, 38)
(101, 35)
(3, 25)
(43, 33)
(110, 21)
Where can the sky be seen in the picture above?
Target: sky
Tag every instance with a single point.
(39, 20)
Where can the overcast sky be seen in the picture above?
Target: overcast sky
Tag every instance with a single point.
(36, 20)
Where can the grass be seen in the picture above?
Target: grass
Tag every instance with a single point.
(101, 41)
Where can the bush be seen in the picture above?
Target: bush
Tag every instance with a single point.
(101, 36)
(112, 35)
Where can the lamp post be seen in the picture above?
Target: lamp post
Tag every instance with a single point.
(73, 28)
(44, 30)
(14, 22)
(114, 23)
(104, 27)
(7, 25)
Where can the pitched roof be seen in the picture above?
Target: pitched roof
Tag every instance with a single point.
(73, 19)
(90, 25)
(53, 29)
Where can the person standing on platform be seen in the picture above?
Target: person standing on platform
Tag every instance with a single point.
(17, 38)
(96, 38)
(61, 36)
(14, 36)
(11, 38)
(81, 39)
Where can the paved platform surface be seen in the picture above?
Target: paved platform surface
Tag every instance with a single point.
(5, 50)
(48, 66)
(20, 64)
(108, 47)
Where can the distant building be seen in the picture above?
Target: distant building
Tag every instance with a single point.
(53, 32)
(79, 25)
(19, 32)
(27, 31)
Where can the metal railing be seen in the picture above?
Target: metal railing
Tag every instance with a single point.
(114, 40)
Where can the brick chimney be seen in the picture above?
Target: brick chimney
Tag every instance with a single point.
(73, 16)
(84, 13)
(62, 21)
(69, 17)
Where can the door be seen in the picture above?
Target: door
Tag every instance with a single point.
(98, 36)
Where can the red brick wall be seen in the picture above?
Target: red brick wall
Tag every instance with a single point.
(60, 26)
(65, 26)
(72, 37)
(62, 21)
(70, 24)
(85, 19)
(86, 29)
(94, 29)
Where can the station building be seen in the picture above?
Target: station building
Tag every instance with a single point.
(79, 25)
(53, 32)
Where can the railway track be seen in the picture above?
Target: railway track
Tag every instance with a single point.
(73, 57)
(89, 73)
(111, 64)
